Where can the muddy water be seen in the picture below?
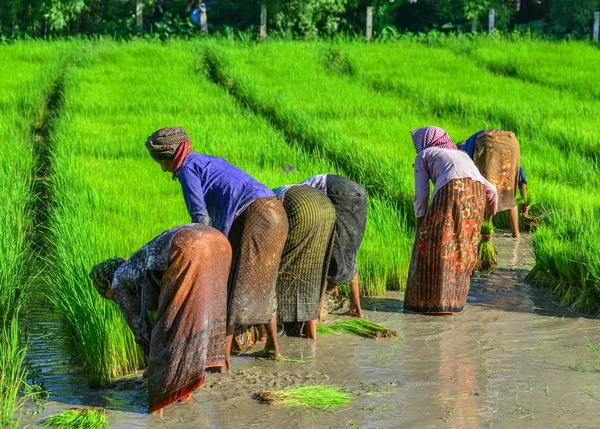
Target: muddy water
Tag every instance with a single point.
(513, 358)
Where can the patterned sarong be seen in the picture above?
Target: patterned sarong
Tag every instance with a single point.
(189, 332)
(350, 202)
(498, 158)
(306, 255)
(444, 255)
(257, 238)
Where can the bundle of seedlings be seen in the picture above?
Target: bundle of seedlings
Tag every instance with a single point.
(530, 219)
(309, 396)
(486, 249)
(360, 327)
(79, 418)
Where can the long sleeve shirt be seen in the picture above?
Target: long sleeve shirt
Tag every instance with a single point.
(441, 166)
(217, 192)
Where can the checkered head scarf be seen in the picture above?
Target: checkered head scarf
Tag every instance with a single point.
(164, 143)
(102, 274)
(426, 137)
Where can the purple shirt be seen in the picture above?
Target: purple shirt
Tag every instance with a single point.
(217, 192)
(441, 166)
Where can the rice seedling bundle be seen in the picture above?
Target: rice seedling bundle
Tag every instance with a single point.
(310, 396)
(78, 418)
(360, 327)
(486, 249)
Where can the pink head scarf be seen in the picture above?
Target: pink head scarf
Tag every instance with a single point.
(427, 137)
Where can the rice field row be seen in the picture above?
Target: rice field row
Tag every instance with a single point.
(360, 102)
(27, 73)
(111, 198)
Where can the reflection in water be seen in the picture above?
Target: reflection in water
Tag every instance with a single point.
(506, 361)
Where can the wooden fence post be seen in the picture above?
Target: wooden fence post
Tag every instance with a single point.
(369, 23)
(596, 26)
(492, 20)
(139, 14)
(263, 21)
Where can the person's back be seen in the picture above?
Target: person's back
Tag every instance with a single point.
(226, 189)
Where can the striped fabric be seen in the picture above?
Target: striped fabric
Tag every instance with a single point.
(164, 143)
(102, 274)
(306, 255)
(427, 137)
(444, 255)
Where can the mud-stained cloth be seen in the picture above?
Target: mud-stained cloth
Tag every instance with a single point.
(306, 255)
(350, 202)
(444, 255)
(172, 293)
(257, 238)
(497, 156)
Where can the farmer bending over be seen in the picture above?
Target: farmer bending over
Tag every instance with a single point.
(173, 294)
(247, 212)
(445, 250)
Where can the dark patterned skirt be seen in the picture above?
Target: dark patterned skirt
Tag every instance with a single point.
(306, 255)
(444, 255)
(498, 158)
(350, 202)
(257, 238)
(189, 331)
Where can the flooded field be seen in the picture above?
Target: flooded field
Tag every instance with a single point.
(513, 358)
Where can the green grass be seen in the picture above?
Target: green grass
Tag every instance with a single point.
(78, 418)
(359, 107)
(320, 397)
(487, 253)
(27, 72)
(567, 250)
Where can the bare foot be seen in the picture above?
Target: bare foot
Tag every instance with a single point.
(223, 369)
(357, 313)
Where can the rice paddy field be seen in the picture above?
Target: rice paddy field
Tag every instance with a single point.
(78, 185)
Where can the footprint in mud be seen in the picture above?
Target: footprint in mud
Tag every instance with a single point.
(237, 383)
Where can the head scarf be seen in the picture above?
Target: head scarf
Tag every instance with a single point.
(170, 143)
(102, 274)
(426, 137)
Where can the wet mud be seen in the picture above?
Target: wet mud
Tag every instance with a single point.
(513, 358)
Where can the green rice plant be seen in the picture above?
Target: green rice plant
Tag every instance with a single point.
(78, 418)
(487, 253)
(14, 372)
(110, 198)
(566, 259)
(321, 397)
(360, 327)
(27, 71)
(355, 118)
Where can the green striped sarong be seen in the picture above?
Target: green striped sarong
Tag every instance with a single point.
(306, 254)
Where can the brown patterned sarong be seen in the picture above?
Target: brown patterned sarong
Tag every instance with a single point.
(498, 158)
(257, 238)
(444, 255)
(189, 333)
(306, 255)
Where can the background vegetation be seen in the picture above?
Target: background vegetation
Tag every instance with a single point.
(294, 18)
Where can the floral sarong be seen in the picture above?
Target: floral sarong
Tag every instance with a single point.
(498, 158)
(444, 255)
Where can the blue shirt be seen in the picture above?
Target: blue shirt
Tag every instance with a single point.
(216, 192)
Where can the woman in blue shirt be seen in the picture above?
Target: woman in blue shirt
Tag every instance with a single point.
(248, 213)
